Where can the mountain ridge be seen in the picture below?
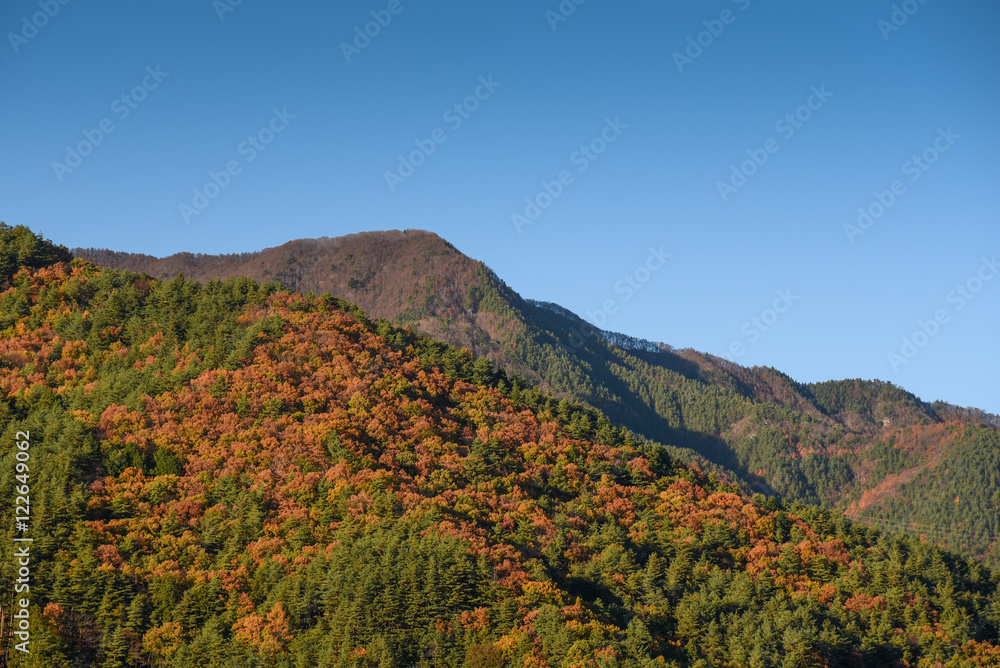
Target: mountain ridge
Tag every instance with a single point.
(868, 448)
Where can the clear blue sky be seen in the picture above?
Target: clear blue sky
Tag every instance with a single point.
(656, 185)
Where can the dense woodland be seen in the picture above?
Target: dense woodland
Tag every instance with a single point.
(865, 448)
(229, 474)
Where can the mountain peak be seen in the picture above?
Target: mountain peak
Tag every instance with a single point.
(389, 274)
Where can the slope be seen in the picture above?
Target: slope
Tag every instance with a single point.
(230, 475)
(857, 446)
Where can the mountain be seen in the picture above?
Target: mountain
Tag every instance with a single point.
(230, 474)
(402, 276)
(866, 448)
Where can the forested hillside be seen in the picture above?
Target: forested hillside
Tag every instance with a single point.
(866, 448)
(229, 474)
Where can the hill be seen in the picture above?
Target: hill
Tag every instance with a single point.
(233, 475)
(866, 448)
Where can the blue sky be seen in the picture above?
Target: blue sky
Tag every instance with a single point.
(201, 78)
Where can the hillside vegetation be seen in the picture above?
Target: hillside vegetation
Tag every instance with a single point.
(866, 448)
(229, 474)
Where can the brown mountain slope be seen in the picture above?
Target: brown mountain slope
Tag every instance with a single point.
(388, 274)
(411, 277)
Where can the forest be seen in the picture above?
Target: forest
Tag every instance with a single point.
(230, 474)
(867, 448)
(856, 446)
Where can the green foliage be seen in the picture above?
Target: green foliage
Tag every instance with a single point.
(946, 503)
(20, 247)
(227, 475)
(819, 443)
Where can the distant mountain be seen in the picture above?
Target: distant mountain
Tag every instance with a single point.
(234, 475)
(867, 448)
